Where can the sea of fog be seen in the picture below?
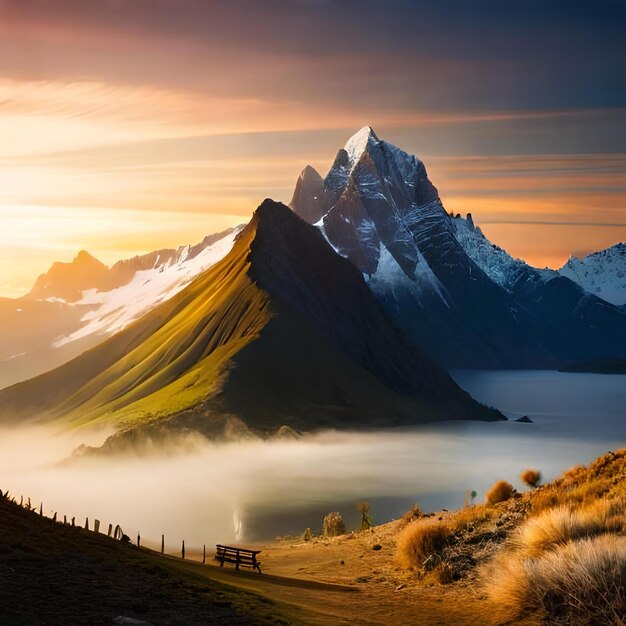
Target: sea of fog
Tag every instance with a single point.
(207, 493)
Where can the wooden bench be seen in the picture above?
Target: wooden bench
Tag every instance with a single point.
(238, 556)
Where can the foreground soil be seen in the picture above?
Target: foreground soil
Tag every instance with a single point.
(346, 581)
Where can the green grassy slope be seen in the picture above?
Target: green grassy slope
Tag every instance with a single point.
(167, 361)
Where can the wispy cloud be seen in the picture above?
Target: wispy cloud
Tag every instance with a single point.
(187, 108)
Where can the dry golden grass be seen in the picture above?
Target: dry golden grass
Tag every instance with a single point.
(560, 525)
(470, 516)
(581, 582)
(421, 541)
(554, 554)
(499, 492)
(580, 485)
(531, 477)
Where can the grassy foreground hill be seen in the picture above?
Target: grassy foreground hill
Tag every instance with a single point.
(282, 331)
(56, 574)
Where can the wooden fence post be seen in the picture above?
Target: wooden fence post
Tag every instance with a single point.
(65, 519)
(73, 521)
(183, 550)
(54, 517)
(203, 554)
(110, 530)
(86, 523)
(28, 506)
(96, 526)
(162, 544)
(138, 540)
(41, 509)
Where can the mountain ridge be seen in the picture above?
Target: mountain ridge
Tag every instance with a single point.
(260, 339)
(602, 273)
(381, 211)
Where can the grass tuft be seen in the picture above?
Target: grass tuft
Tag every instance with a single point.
(421, 543)
(333, 525)
(580, 582)
(499, 492)
(558, 526)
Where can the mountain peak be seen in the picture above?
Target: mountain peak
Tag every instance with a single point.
(309, 172)
(67, 281)
(84, 257)
(359, 143)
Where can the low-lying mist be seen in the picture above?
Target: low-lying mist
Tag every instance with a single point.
(209, 493)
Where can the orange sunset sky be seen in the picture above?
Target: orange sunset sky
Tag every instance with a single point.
(131, 125)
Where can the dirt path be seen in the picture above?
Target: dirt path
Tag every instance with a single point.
(346, 581)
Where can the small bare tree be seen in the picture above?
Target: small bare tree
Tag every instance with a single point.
(364, 508)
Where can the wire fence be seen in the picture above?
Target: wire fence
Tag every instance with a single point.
(113, 532)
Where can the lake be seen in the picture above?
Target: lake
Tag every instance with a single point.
(258, 490)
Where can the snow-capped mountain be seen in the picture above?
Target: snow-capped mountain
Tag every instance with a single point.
(71, 308)
(601, 273)
(467, 302)
(498, 264)
(156, 278)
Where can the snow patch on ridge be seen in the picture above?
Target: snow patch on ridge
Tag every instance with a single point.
(357, 144)
(497, 263)
(602, 273)
(113, 310)
(389, 276)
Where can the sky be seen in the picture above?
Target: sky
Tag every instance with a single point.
(131, 125)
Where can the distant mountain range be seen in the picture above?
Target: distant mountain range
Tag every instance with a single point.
(76, 305)
(601, 273)
(333, 313)
(463, 299)
(282, 332)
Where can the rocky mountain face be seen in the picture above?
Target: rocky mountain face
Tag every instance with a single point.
(465, 301)
(576, 325)
(602, 273)
(281, 332)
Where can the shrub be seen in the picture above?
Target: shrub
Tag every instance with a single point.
(499, 492)
(581, 582)
(420, 541)
(333, 525)
(563, 524)
(415, 512)
(531, 477)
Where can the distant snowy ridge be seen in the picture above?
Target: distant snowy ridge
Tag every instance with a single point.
(76, 305)
(602, 273)
(115, 309)
(497, 263)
